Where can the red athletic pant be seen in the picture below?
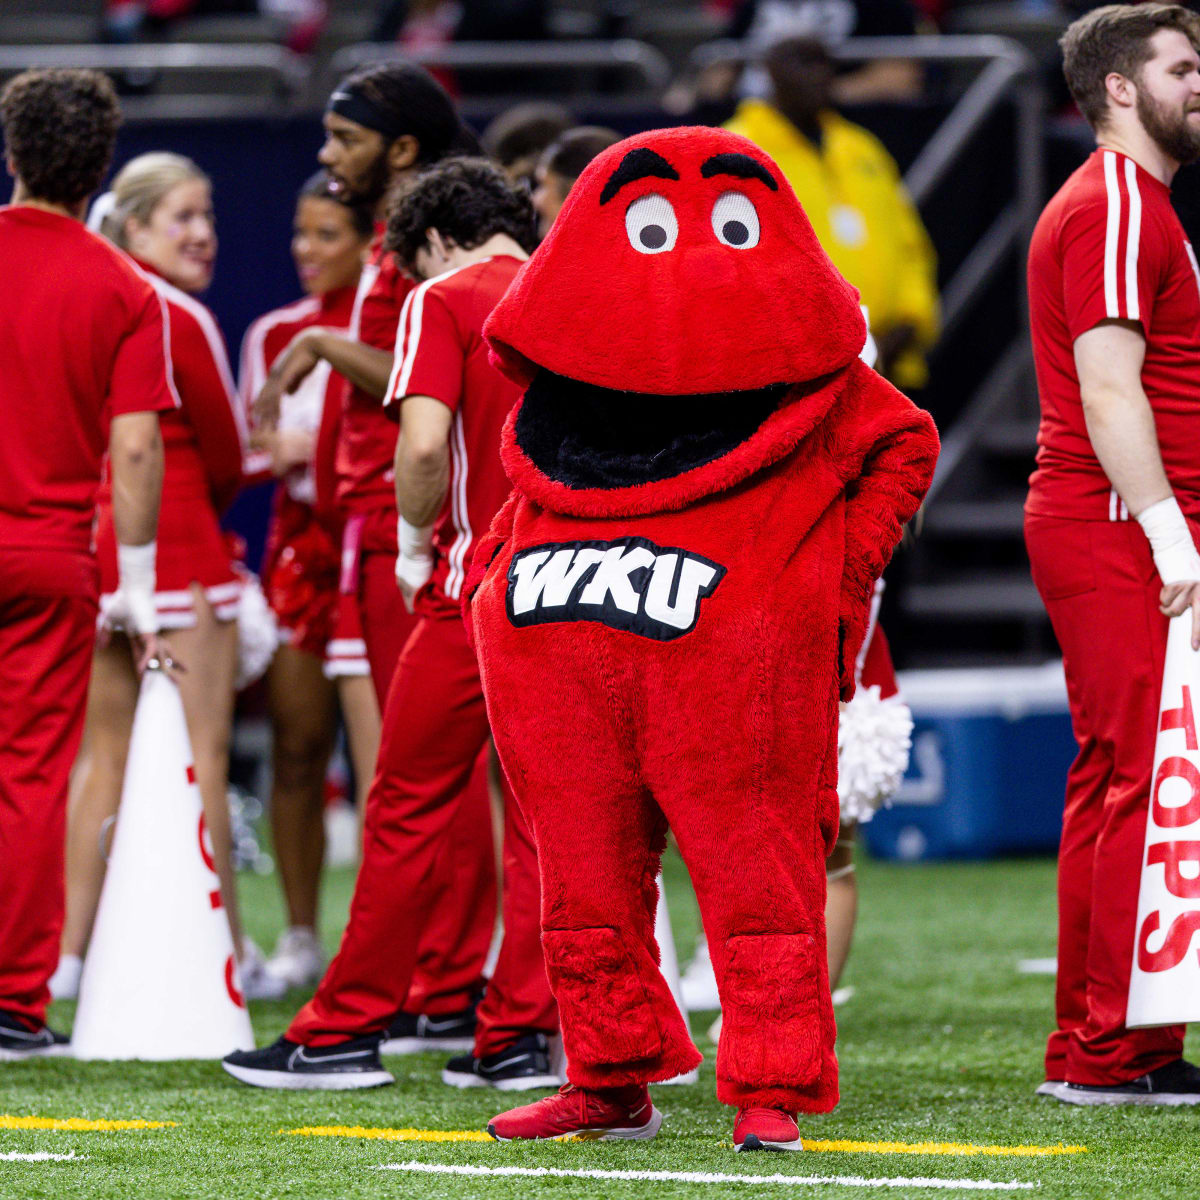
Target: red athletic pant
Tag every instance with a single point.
(1099, 585)
(47, 626)
(434, 726)
(449, 972)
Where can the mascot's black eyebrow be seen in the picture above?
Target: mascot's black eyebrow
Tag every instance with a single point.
(641, 163)
(740, 166)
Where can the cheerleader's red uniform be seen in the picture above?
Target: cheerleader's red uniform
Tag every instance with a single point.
(301, 568)
(204, 442)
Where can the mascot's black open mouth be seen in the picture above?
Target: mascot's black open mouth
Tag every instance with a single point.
(585, 436)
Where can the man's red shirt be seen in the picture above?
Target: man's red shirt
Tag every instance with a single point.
(367, 438)
(82, 339)
(1109, 246)
(440, 352)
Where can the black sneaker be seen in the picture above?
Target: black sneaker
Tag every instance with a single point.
(408, 1034)
(337, 1068)
(1177, 1083)
(19, 1039)
(517, 1068)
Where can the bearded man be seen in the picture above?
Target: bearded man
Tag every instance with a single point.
(1115, 315)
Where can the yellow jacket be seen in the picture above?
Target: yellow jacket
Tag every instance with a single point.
(851, 190)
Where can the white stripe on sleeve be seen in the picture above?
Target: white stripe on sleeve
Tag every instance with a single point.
(402, 338)
(1133, 238)
(403, 368)
(1112, 233)
(216, 348)
(457, 573)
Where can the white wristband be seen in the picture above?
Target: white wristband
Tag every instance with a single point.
(134, 606)
(415, 541)
(1175, 554)
(414, 563)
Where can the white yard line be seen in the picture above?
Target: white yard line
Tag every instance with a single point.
(974, 1185)
(1037, 966)
(40, 1156)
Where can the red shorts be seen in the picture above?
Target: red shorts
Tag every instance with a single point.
(300, 576)
(191, 549)
(346, 650)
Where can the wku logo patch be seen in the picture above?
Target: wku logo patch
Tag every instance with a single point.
(629, 584)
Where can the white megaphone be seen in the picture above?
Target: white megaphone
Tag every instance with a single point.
(1164, 980)
(669, 966)
(160, 980)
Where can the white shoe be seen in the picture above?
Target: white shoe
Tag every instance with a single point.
(64, 983)
(258, 982)
(298, 959)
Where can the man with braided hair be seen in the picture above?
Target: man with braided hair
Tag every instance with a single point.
(383, 125)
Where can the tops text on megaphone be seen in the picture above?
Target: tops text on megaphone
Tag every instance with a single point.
(1173, 836)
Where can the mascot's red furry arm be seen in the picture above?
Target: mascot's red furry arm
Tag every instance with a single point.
(886, 455)
(707, 482)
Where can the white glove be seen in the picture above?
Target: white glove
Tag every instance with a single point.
(414, 563)
(1170, 539)
(132, 607)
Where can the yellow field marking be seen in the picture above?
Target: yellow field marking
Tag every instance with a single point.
(78, 1124)
(815, 1144)
(954, 1148)
(391, 1135)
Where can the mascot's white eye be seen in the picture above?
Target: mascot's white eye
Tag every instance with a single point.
(650, 224)
(735, 221)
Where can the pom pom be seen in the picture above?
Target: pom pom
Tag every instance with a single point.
(258, 633)
(874, 738)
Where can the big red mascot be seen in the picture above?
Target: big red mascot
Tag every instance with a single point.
(708, 482)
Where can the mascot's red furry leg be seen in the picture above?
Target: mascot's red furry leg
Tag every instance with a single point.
(757, 860)
(599, 841)
(758, 863)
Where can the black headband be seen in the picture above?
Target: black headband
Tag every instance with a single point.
(351, 103)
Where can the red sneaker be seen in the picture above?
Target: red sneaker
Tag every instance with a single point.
(582, 1114)
(766, 1129)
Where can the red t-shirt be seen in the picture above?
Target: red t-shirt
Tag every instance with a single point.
(440, 352)
(1109, 245)
(315, 406)
(367, 439)
(82, 339)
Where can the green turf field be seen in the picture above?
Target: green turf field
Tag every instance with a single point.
(940, 1043)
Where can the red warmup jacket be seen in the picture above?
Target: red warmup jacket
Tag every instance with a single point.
(707, 484)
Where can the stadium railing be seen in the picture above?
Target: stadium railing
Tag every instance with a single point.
(1007, 76)
(269, 78)
(639, 61)
(964, 589)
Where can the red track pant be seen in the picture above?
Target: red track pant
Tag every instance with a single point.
(434, 727)
(1098, 582)
(47, 626)
(449, 973)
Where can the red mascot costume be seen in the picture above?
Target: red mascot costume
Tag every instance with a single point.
(708, 483)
